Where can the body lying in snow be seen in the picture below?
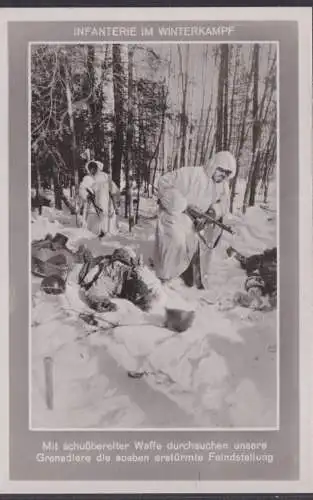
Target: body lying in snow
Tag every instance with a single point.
(118, 275)
(261, 270)
(121, 275)
(50, 256)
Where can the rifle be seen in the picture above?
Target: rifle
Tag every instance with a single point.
(209, 220)
(92, 199)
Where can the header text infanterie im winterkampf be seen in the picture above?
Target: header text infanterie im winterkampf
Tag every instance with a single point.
(161, 31)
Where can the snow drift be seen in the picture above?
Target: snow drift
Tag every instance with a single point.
(100, 370)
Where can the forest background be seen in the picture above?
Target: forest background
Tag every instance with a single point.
(144, 110)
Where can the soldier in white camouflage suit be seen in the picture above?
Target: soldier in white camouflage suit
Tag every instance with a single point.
(178, 250)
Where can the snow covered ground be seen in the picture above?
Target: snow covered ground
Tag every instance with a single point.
(220, 373)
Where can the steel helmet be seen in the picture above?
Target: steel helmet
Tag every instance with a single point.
(53, 285)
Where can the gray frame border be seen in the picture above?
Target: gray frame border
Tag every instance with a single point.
(21, 440)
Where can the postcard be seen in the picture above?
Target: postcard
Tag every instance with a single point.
(157, 179)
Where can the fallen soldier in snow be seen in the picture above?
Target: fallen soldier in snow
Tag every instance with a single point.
(118, 275)
(122, 275)
(261, 282)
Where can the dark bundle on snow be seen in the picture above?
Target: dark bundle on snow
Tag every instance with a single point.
(50, 256)
(261, 269)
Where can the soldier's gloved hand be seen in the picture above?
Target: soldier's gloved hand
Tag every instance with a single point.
(211, 212)
(192, 211)
(200, 223)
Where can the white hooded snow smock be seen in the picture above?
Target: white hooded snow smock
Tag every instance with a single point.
(176, 238)
(106, 220)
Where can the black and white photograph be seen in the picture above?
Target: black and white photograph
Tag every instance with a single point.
(154, 247)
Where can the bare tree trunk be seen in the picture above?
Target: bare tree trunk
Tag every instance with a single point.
(260, 117)
(38, 183)
(118, 88)
(72, 127)
(165, 151)
(110, 202)
(249, 197)
(225, 97)
(175, 163)
(206, 133)
(191, 129)
(212, 148)
(242, 138)
(255, 129)
(268, 163)
(265, 180)
(140, 160)
(38, 179)
(166, 124)
(129, 133)
(74, 147)
(205, 54)
(156, 167)
(161, 134)
(220, 103)
(184, 118)
(206, 156)
(57, 189)
(96, 125)
(232, 103)
(130, 207)
(175, 146)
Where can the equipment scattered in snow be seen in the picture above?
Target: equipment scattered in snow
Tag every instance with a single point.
(179, 320)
